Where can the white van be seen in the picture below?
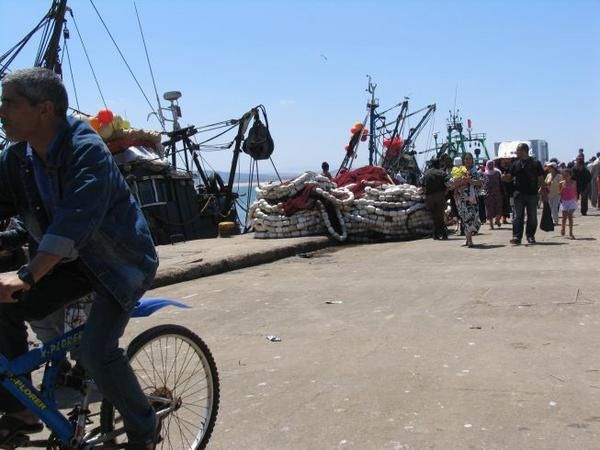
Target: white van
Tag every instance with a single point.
(538, 149)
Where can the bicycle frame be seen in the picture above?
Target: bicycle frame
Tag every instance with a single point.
(13, 373)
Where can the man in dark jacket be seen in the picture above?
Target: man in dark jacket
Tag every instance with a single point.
(435, 184)
(583, 179)
(527, 176)
(92, 237)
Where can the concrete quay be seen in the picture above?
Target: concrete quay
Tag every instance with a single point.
(405, 345)
(189, 260)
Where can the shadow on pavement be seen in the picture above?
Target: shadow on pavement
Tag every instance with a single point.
(487, 246)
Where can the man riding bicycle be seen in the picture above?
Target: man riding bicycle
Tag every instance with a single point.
(60, 178)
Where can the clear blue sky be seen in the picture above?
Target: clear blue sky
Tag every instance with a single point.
(524, 69)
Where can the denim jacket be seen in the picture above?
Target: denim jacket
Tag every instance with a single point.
(95, 216)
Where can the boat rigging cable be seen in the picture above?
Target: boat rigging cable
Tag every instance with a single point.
(68, 55)
(87, 56)
(13, 52)
(123, 58)
(160, 117)
(422, 161)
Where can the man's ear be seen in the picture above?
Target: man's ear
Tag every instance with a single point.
(46, 108)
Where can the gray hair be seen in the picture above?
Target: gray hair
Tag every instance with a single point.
(40, 85)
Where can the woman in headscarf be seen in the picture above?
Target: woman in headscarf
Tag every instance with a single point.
(466, 189)
(492, 184)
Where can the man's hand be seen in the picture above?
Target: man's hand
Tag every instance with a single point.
(9, 284)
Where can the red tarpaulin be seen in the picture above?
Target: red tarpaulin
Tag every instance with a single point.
(300, 201)
(373, 174)
(363, 177)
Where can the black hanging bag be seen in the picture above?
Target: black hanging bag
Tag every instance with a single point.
(546, 224)
(259, 143)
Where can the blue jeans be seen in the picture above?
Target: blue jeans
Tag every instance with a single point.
(523, 202)
(100, 354)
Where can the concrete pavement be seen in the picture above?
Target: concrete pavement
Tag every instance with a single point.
(410, 345)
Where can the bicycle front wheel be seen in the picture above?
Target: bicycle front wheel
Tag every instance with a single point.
(178, 374)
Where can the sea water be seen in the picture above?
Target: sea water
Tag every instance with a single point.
(245, 199)
(247, 192)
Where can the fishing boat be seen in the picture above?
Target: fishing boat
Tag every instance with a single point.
(460, 140)
(376, 202)
(166, 169)
(391, 142)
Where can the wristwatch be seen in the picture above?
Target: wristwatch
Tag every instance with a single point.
(26, 276)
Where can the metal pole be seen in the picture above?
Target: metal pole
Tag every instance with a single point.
(372, 148)
(372, 105)
(243, 125)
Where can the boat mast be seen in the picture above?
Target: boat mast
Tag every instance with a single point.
(50, 58)
(456, 140)
(372, 105)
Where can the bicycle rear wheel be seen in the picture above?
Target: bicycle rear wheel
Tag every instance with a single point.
(177, 371)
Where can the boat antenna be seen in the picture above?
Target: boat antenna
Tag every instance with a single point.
(159, 116)
(372, 105)
(455, 96)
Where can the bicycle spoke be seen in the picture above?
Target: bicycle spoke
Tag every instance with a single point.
(183, 369)
(173, 368)
(151, 360)
(187, 427)
(178, 423)
(187, 381)
(142, 368)
(187, 394)
(173, 363)
(195, 413)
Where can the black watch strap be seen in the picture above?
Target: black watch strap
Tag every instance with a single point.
(26, 276)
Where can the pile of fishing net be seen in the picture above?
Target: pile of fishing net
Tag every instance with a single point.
(361, 206)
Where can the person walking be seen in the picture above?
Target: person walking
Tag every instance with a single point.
(527, 176)
(492, 185)
(568, 201)
(504, 168)
(482, 194)
(594, 169)
(466, 189)
(583, 179)
(435, 185)
(552, 182)
(447, 165)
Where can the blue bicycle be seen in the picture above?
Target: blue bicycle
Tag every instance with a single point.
(175, 369)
